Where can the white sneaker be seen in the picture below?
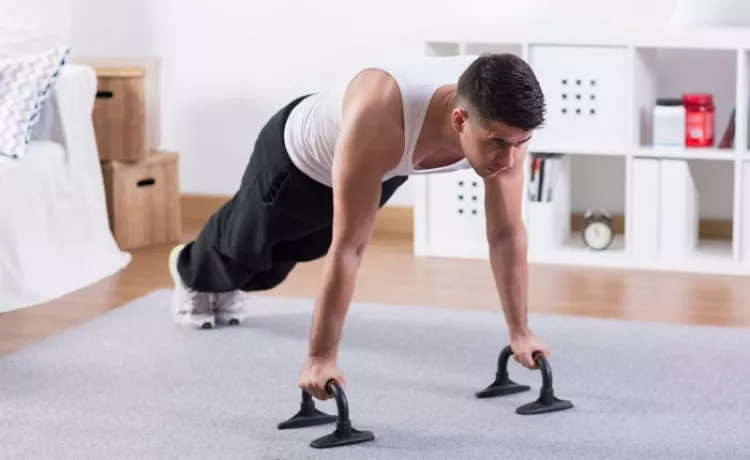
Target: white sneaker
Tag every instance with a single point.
(190, 308)
(230, 308)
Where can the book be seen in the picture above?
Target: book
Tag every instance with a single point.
(543, 178)
(727, 139)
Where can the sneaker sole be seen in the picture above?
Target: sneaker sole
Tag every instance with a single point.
(227, 320)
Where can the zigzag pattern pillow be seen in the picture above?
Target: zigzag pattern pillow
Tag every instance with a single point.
(26, 83)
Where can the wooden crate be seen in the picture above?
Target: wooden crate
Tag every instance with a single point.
(143, 200)
(119, 114)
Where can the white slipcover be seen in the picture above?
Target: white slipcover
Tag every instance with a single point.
(54, 230)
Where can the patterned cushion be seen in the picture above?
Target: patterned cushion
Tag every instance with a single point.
(26, 83)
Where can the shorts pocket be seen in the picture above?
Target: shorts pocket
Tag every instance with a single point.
(272, 193)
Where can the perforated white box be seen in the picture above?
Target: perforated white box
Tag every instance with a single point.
(449, 216)
(586, 89)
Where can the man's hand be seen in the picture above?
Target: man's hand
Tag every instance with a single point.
(524, 348)
(316, 372)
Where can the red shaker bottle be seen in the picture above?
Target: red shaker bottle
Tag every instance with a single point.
(699, 119)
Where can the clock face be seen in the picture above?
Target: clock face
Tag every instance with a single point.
(597, 235)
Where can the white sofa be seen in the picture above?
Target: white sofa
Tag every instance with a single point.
(54, 230)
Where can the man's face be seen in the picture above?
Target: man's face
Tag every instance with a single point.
(492, 148)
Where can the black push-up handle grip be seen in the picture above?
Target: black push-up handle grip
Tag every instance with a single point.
(547, 401)
(342, 404)
(503, 386)
(344, 434)
(545, 369)
(308, 416)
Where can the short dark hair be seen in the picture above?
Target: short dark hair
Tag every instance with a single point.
(503, 87)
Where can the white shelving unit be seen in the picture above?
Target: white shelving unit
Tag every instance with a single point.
(612, 76)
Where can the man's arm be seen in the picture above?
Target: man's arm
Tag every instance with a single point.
(370, 144)
(506, 235)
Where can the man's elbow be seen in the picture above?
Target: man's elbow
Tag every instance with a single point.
(349, 246)
(349, 252)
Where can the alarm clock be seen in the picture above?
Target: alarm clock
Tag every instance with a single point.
(597, 230)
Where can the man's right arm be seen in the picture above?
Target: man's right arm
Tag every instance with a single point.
(369, 145)
(357, 181)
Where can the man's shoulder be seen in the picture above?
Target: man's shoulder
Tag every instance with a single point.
(373, 101)
(372, 128)
(373, 91)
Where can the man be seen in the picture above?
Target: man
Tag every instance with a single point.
(325, 163)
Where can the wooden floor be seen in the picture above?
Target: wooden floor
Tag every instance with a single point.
(392, 274)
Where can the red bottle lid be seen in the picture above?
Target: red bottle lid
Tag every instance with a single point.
(700, 99)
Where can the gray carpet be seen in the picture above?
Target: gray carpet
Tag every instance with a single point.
(131, 385)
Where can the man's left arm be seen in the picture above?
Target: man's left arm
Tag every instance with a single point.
(506, 236)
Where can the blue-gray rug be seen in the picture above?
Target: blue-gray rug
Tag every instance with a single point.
(132, 385)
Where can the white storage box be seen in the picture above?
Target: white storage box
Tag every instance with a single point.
(644, 239)
(678, 210)
(744, 237)
(586, 89)
(450, 219)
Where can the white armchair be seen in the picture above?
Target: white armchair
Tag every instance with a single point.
(54, 230)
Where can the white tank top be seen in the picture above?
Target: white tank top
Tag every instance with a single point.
(313, 126)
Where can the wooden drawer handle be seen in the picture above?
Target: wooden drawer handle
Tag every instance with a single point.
(146, 182)
(104, 95)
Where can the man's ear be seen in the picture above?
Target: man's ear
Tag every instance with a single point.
(459, 117)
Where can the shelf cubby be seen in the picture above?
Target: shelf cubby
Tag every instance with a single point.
(447, 49)
(580, 182)
(696, 211)
(478, 48)
(442, 49)
(742, 214)
(667, 72)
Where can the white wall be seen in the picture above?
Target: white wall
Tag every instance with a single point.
(226, 66)
(33, 25)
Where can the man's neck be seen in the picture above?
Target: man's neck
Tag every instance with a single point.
(438, 123)
(438, 144)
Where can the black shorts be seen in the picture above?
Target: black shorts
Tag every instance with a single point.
(278, 217)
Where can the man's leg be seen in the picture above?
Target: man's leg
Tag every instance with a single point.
(275, 203)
